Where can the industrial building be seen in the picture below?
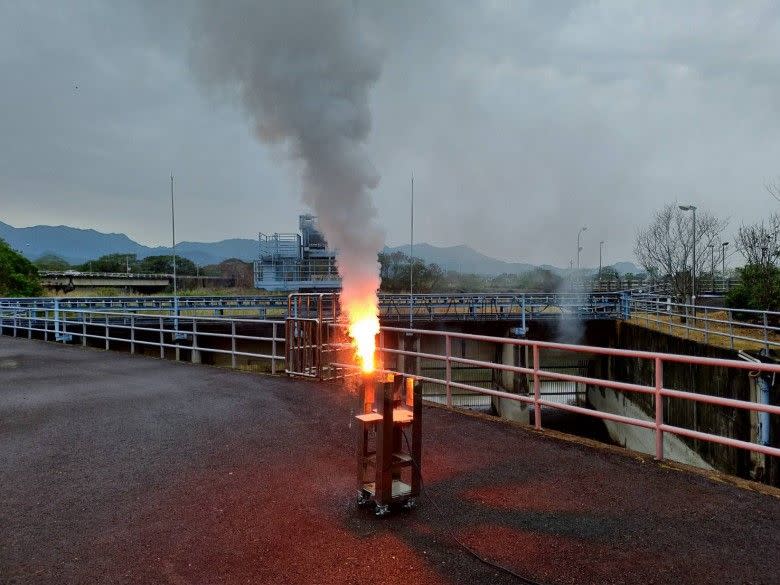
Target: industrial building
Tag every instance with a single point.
(302, 261)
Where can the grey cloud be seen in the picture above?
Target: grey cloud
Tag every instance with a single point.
(521, 121)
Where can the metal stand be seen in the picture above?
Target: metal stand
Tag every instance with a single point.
(389, 446)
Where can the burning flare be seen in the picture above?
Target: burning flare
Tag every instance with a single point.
(363, 328)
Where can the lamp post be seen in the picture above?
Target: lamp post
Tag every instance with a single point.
(601, 246)
(579, 248)
(723, 260)
(692, 208)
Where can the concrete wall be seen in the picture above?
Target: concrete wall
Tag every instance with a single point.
(706, 418)
(637, 438)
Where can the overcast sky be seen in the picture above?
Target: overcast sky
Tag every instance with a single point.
(522, 121)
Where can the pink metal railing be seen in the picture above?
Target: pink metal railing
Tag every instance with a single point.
(656, 389)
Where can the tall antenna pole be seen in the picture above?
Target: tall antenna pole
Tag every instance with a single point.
(173, 241)
(411, 262)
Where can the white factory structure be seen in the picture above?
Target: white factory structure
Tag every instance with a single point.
(296, 262)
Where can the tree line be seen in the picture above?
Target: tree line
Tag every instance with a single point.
(665, 248)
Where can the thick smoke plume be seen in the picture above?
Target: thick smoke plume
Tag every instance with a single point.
(303, 70)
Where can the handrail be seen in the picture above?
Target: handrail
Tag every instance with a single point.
(538, 373)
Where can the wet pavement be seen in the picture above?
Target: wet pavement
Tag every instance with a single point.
(122, 469)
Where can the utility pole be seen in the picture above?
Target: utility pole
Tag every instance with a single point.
(723, 259)
(712, 265)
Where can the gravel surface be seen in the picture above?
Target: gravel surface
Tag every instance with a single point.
(122, 469)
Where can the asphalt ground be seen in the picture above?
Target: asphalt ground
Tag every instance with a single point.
(122, 469)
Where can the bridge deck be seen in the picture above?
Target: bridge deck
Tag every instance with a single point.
(116, 468)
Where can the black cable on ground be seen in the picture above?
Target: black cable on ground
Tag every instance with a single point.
(462, 544)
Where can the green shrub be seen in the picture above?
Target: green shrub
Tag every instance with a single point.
(18, 276)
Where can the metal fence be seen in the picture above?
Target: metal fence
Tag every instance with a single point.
(227, 337)
(732, 326)
(215, 336)
(424, 307)
(538, 402)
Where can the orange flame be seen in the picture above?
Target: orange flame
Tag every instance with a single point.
(363, 328)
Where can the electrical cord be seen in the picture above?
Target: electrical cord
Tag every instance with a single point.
(462, 544)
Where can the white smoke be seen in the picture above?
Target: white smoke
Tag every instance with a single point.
(303, 70)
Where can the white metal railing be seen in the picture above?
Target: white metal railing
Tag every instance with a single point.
(759, 328)
(175, 333)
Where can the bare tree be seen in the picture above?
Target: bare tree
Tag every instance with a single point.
(759, 243)
(774, 190)
(665, 247)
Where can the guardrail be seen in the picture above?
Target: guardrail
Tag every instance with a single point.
(758, 328)
(657, 390)
(734, 326)
(164, 332)
(517, 307)
(129, 331)
(79, 274)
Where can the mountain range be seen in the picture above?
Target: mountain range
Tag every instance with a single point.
(80, 245)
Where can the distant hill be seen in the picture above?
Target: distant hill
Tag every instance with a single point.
(463, 259)
(79, 245)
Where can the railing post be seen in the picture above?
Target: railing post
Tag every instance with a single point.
(448, 368)
(56, 319)
(706, 327)
(687, 324)
(132, 334)
(162, 340)
(537, 390)
(659, 409)
(29, 323)
(106, 330)
(83, 329)
(273, 348)
(194, 351)
(766, 333)
(522, 323)
(232, 344)
(731, 327)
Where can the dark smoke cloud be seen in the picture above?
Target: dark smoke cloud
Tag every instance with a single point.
(302, 69)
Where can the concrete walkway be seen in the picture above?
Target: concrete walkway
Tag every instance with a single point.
(121, 469)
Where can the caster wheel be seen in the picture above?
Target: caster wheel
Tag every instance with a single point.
(382, 511)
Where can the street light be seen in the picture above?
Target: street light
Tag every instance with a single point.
(579, 248)
(693, 272)
(601, 246)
